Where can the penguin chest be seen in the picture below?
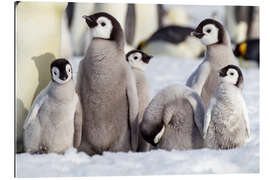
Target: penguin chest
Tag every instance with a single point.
(104, 101)
(227, 123)
(209, 87)
(58, 117)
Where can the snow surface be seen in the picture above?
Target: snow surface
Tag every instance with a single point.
(161, 72)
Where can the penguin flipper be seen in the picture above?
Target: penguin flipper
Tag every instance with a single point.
(207, 116)
(197, 79)
(35, 107)
(198, 109)
(79, 77)
(133, 108)
(77, 124)
(245, 114)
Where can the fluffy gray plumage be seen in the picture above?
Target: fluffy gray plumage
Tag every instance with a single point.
(226, 120)
(174, 119)
(108, 94)
(54, 121)
(205, 78)
(144, 99)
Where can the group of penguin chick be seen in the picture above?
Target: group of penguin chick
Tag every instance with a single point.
(110, 108)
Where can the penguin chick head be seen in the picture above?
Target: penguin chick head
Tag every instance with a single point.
(231, 74)
(61, 71)
(209, 31)
(104, 26)
(138, 59)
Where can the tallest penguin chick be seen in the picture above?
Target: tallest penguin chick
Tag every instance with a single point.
(107, 89)
(218, 54)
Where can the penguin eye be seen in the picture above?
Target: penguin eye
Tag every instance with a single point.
(55, 73)
(135, 57)
(231, 73)
(208, 30)
(103, 24)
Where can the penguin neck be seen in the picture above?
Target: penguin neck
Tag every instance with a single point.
(100, 49)
(62, 92)
(221, 54)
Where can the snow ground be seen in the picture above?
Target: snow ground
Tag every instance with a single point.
(161, 72)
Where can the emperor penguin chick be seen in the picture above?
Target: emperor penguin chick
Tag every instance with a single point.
(174, 119)
(226, 120)
(138, 61)
(107, 89)
(54, 121)
(218, 54)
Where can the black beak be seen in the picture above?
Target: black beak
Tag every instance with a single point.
(146, 59)
(197, 34)
(222, 72)
(90, 21)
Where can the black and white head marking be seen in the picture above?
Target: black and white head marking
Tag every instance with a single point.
(104, 26)
(61, 71)
(138, 59)
(210, 32)
(232, 74)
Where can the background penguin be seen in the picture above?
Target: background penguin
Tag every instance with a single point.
(242, 22)
(142, 21)
(174, 41)
(37, 44)
(107, 89)
(174, 119)
(226, 121)
(138, 61)
(218, 54)
(248, 50)
(78, 30)
(54, 121)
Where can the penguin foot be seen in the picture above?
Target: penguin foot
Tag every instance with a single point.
(43, 150)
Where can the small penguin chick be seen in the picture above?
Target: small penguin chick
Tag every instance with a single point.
(209, 31)
(54, 121)
(226, 123)
(138, 59)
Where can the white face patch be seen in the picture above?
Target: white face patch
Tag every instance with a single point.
(135, 60)
(56, 74)
(210, 34)
(231, 76)
(103, 29)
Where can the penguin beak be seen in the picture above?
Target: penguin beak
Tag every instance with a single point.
(197, 34)
(147, 59)
(90, 21)
(222, 73)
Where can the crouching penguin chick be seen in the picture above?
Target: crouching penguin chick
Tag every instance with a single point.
(174, 119)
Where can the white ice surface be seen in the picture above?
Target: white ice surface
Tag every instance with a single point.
(161, 72)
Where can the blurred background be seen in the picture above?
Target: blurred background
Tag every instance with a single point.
(164, 29)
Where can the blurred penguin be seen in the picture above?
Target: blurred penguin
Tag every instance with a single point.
(78, 30)
(142, 21)
(248, 51)
(66, 44)
(173, 41)
(242, 22)
(176, 16)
